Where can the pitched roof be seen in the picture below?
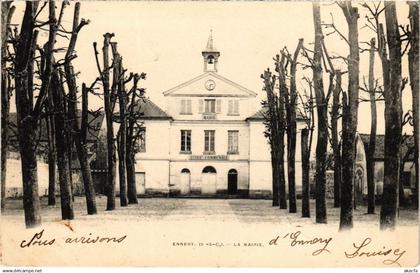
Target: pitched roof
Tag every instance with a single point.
(216, 75)
(380, 146)
(92, 135)
(259, 115)
(150, 110)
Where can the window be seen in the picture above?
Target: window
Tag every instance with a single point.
(186, 141)
(233, 108)
(140, 144)
(233, 142)
(209, 106)
(186, 107)
(209, 141)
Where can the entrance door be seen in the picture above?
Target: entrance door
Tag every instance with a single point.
(141, 183)
(232, 182)
(208, 180)
(185, 181)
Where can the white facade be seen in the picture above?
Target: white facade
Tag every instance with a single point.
(208, 140)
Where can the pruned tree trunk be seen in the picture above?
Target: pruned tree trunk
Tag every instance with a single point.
(346, 213)
(291, 158)
(413, 67)
(69, 147)
(52, 156)
(279, 108)
(6, 15)
(79, 128)
(350, 120)
(130, 144)
(131, 178)
(274, 122)
(393, 122)
(26, 123)
(291, 130)
(122, 131)
(121, 146)
(321, 105)
(304, 135)
(370, 163)
(274, 178)
(111, 156)
(335, 114)
(280, 160)
(82, 152)
(61, 138)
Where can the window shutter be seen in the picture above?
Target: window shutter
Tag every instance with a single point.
(182, 110)
(236, 109)
(230, 107)
(189, 107)
(200, 106)
(218, 106)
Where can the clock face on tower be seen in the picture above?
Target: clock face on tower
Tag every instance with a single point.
(210, 85)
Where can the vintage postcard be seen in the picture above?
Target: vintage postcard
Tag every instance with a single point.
(210, 134)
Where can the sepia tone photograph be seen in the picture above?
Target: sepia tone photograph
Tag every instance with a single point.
(210, 134)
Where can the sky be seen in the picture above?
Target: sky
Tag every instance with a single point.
(165, 40)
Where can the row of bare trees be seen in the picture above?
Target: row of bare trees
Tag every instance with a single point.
(129, 120)
(281, 105)
(44, 83)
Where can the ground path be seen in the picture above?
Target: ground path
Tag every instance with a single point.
(203, 209)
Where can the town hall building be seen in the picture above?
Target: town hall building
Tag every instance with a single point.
(208, 140)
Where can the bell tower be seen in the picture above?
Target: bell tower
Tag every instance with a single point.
(210, 55)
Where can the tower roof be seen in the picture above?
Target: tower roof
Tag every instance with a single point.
(210, 46)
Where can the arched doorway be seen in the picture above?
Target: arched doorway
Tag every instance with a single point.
(232, 181)
(185, 181)
(358, 187)
(208, 180)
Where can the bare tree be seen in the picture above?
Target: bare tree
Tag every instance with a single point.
(390, 43)
(321, 105)
(133, 134)
(27, 115)
(52, 155)
(350, 121)
(279, 110)
(393, 110)
(304, 135)
(79, 128)
(290, 97)
(370, 163)
(306, 145)
(6, 15)
(109, 116)
(413, 66)
(334, 89)
(335, 143)
(121, 135)
(62, 142)
(274, 121)
(271, 130)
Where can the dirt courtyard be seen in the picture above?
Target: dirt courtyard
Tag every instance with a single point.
(194, 209)
(210, 232)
